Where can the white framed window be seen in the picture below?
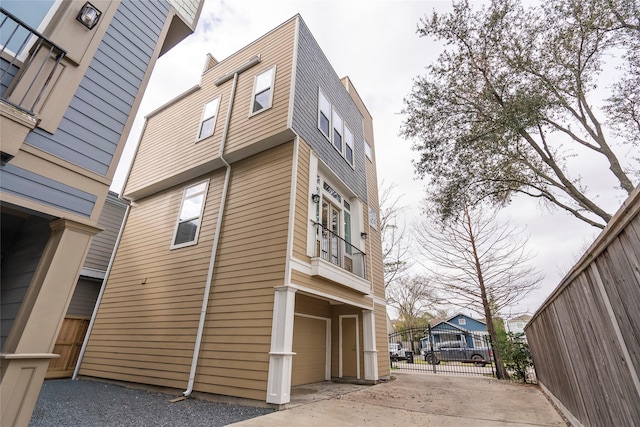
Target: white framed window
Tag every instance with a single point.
(263, 90)
(462, 321)
(324, 115)
(190, 217)
(209, 116)
(336, 137)
(346, 215)
(368, 151)
(373, 221)
(348, 145)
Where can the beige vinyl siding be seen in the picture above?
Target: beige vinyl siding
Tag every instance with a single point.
(169, 139)
(324, 286)
(374, 242)
(179, 122)
(382, 340)
(312, 306)
(303, 198)
(234, 358)
(146, 332)
(102, 243)
(246, 130)
(375, 262)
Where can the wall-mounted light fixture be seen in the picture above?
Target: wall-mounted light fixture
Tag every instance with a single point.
(363, 235)
(315, 198)
(89, 15)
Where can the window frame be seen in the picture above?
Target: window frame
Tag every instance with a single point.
(334, 115)
(204, 118)
(204, 192)
(348, 146)
(373, 218)
(368, 150)
(321, 97)
(271, 88)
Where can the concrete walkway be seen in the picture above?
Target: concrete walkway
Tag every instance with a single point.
(423, 400)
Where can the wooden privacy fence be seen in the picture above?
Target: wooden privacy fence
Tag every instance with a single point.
(585, 338)
(68, 346)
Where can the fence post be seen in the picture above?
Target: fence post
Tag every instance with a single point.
(433, 355)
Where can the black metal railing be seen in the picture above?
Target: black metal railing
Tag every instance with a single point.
(336, 250)
(25, 49)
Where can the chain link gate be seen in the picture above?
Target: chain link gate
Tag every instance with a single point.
(444, 350)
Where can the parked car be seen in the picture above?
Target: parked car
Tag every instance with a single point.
(396, 352)
(457, 351)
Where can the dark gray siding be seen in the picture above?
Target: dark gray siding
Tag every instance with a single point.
(102, 243)
(313, 71)
(40, 189)
(84, 298)
(7, 78)
(91, 127)
(19, 262)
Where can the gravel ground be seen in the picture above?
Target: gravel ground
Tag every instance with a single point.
(65, 403)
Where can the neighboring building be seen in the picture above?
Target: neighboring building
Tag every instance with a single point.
(459, 328)
(72, 75)
(83, 301)
(516, 325)
(251, 258)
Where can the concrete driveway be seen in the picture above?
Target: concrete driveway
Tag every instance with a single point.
(423, 399)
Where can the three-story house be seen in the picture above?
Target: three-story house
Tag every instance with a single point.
(251, 258)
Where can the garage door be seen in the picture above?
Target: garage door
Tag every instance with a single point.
(310, 346)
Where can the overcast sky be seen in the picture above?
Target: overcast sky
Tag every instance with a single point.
(375, 43)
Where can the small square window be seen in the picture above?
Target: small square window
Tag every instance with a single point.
(263, 90)
(462, 321)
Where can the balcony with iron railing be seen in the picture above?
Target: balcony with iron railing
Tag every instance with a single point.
(338, 260)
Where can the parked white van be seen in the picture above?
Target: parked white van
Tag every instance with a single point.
(396, 352)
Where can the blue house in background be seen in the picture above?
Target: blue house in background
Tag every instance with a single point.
(459, 328)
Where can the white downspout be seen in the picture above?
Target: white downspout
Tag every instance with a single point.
(214, 249)
(101, 293)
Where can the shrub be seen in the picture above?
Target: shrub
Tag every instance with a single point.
(516, 355)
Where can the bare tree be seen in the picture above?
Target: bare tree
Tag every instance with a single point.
(413, 297)
(478, 263)
(395, 245)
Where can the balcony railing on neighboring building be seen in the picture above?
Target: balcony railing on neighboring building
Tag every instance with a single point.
(334, 249)
(25, 49)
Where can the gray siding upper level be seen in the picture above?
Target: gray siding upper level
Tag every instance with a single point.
(314, 71)
(94, 121)
(7, 78)
(102, 243)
